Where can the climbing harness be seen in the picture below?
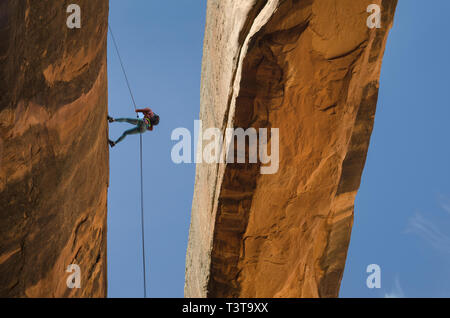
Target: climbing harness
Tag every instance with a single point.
(142, 178)
(147, 123)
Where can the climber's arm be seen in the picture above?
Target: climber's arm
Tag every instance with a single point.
(145, 111)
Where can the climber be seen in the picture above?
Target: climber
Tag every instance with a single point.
(142, 125)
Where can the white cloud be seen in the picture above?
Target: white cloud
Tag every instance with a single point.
(446, 206)
(444, 202)
(397, 291)
(430, 232)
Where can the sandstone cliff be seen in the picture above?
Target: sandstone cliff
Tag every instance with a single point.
(310, 68)
(53, 148)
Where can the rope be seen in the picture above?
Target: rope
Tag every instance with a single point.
(123, 68)
(142, 220)
(142, 178)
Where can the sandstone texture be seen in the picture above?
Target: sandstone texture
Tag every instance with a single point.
(310, 68)
(53, 148)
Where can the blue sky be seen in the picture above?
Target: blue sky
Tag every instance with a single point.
(402, 215)
(161, 46)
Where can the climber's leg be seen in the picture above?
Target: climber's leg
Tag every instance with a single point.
(127, 120)
(132, 131)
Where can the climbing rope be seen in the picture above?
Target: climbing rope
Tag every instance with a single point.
(123, 68)
(142, 178)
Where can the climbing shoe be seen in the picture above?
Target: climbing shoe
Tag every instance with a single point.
(110, 119)
(111, 143)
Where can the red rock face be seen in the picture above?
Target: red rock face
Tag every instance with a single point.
(53, 148)
(310, 68)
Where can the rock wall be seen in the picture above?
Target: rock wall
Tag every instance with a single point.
(54, 164)
(310, 68)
